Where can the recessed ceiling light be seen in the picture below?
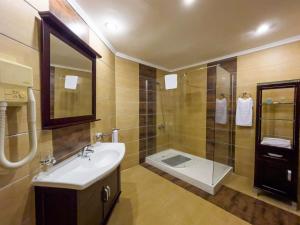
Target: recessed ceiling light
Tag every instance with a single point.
(111, 26)
(262, 29)
(77, 28)
(188, 2)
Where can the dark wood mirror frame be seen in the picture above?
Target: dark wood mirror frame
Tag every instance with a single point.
(52, 25)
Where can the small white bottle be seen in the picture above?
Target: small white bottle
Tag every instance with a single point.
(115, 135)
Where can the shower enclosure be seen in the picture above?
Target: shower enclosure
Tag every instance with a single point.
(195, 124)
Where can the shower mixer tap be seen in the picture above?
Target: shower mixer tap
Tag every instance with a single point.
(161, 126)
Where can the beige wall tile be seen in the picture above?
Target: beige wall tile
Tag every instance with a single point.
(19, 42)
(16, 148)
(275, 64)
(108, 57)
(20, 21)
(16, 119)
(130, 161)
(105, 100)
(128, 121)
(105, 82)
(126, 93)
(105, 108)
(127, 108)
(132, 147)
(129, 135)
(17, 203)
(185, 111)
(16, 52)
(127, 68)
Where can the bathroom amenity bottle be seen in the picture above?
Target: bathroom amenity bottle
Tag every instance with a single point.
(115, 135)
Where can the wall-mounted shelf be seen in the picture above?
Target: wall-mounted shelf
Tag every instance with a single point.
(277, 103)
(274, 136)
(281, 119)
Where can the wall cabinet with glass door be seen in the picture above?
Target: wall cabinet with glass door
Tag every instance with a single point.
(277, 138)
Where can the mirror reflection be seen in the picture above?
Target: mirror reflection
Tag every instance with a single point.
(70, 81)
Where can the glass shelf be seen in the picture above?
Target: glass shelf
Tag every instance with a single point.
(290, 120)
(277, 136)
(277, 115)
(278, 103)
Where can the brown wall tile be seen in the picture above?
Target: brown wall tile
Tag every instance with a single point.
(69, 140)
(147, 110)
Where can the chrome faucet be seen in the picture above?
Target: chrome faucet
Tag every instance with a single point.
(49, 161)
(85, 151)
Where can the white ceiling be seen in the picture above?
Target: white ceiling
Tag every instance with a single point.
(171, 35)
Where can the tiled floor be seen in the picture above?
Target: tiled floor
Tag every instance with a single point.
(250, 209)
(148, 199)
(244, 185)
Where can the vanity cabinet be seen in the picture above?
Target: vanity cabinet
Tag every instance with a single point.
(91, 206)
(277, 138)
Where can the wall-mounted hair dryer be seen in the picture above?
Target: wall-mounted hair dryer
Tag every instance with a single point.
(16, 83)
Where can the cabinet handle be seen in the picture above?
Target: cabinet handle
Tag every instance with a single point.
(105, 194)
(289, 175)
(275, 155)
(108, 189)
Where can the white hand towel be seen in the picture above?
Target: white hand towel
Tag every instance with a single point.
(278, 142)
(221, 111)
(244, 112)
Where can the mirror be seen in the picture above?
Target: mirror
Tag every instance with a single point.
(68, 87)
(70, 81)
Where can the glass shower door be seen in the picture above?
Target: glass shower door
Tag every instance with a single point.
(224, 125)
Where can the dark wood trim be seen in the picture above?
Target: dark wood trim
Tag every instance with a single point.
(49, 200)
(71, 124)
(59, 26)
(64, 11)
(52, 25)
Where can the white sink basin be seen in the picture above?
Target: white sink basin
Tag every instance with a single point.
(79, 173)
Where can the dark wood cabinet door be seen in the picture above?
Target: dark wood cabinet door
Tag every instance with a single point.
(90, 205)
(112, 183)
(55, 206)
(274, 176)
(58, 206)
